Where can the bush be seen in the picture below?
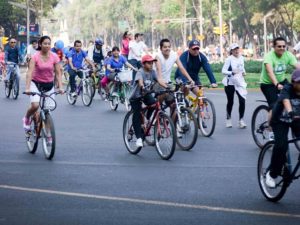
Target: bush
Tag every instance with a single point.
(251, 66)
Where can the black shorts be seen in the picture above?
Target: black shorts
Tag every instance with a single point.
(271, 92)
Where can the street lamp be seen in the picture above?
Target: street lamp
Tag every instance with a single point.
(265, 30)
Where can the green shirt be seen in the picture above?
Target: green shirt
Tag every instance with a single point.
(279, 66)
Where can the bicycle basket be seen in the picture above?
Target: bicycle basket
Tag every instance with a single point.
(125, 75)
(50, 103)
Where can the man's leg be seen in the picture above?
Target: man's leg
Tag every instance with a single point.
(72, 76)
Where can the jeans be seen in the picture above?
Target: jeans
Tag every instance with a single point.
(72, 77)
(10, 69)
(136, 106)
(281, 131)
(137, 64)
(229, 90)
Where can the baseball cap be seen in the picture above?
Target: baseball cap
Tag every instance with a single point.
(296, 76)
(233, 46)
(194, 44)
(148, 58)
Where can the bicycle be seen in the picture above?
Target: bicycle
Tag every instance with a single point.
(42, 126)
(159, 128)
(287, 176)
(12, 85)
(260, 125)
(95, 79)
(185, 122)
(83, 88)
(119, 91)
(204, 111)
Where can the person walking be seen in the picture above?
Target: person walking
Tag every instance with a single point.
(127, 36)
(234, 82)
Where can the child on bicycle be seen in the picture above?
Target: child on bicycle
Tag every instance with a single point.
(285, 114)
(145, 76)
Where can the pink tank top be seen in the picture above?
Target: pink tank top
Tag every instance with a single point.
(44, 71)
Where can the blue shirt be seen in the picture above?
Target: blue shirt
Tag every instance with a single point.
(106, 62)
(77, 58)
(117, 64)
(12, 54)
(193, 64)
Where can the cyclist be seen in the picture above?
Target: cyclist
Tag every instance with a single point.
(234, 81)
(40, 77)
(12, 55)
(76, 57)
(127, 36)
(284, 114)
(97, 52)
(273, 75)
(192, 61)
(144, 76)
(105, 80)
(31, 50)
(2, 65)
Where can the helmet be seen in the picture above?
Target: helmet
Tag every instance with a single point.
(99, 41)
(59, 44)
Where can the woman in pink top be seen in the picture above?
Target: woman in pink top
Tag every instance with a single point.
(40, 76)
(127, 36)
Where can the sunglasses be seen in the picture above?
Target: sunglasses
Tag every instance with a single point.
(195, 49)
(280, 46)
(151, 62)
(13, 42)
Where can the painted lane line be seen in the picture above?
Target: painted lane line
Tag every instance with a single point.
(152, 202)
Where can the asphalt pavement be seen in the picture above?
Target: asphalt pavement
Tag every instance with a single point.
(92, 179)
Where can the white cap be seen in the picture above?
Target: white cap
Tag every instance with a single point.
(233, 46)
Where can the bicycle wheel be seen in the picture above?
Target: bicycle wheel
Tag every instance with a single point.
(114, 102)
(86, 93)
(15, 89)
(7, 89)
(48, 137)
(296, 143)
(91, 81)
(164, 136)
(101, 92)
(129, 135)
(272, 194)
(32, 138)
(186, 129)
(207, 118)
(259, 125)
(71, 100)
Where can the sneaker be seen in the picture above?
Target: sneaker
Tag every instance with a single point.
(49, 141)
(204, 125)
(242, 124)
(270, 181)
(139, 142)
(73, 94)
(271, 136)
(26, 124)
(228, 123)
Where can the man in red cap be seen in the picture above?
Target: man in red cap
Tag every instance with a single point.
(144, 79)
(285, 114)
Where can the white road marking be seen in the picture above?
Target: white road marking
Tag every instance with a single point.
(152, 202)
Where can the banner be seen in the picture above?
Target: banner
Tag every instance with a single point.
(33, 30)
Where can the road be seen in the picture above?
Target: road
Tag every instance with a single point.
(94, 180)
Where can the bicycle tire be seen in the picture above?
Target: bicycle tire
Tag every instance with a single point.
(262, 169)
(255, 129)
(129, 137)
(164, 120)
(70, 99)
(296, 143)
(48, 128)
(32, 139)
(93, 86)
(86, 94)
(7, 89)
(206, 132)
(186, 114)
(113, 103)
(15, 89)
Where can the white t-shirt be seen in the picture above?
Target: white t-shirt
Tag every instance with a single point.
(136, 50)
(237, 64)
(297, 47)
(31, 51)
(167, 65)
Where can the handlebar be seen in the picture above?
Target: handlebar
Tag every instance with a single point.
(41, 94)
